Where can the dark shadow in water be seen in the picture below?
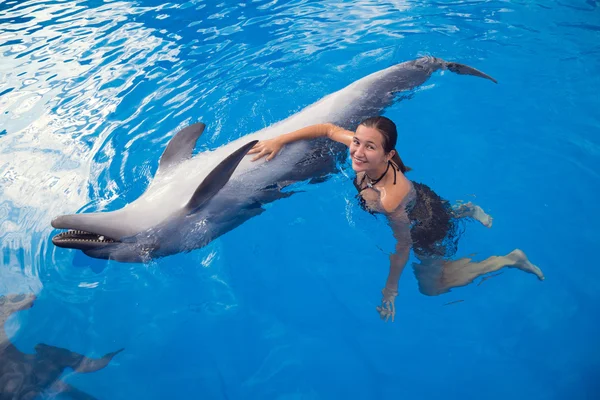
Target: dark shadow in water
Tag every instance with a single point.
(26, 376)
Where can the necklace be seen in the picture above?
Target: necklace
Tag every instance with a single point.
(371, 182)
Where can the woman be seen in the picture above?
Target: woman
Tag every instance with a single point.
(419, 218)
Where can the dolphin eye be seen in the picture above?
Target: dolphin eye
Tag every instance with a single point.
(18, 298)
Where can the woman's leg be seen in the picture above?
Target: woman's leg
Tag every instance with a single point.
(437, 276)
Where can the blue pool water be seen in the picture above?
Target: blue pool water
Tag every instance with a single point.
(283, 307)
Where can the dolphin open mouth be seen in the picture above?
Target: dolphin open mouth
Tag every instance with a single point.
(86, 231)
(76, 239)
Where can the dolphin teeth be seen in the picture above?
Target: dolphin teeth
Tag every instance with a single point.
(77, 235)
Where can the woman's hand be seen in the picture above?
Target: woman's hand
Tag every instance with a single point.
(387, 308)
(268, 148)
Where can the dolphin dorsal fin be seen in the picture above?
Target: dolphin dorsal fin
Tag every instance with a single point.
(180, 146)
(217, 178)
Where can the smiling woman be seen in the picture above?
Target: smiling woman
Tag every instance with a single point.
(419, 218)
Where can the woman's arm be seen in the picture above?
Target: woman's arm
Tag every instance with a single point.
(271, 147)
(398, 261)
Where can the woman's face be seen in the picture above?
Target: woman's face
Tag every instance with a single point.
(366, 150)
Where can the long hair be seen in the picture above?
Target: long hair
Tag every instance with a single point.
(388, 130)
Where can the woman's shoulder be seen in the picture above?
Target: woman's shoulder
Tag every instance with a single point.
(398, 194)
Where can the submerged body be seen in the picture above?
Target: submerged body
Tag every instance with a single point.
(191, 201)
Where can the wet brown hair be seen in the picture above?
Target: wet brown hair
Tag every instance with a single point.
(388, 130)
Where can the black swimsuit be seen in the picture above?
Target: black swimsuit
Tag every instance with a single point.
(434, 229)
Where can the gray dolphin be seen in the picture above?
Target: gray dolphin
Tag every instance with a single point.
(26, 376)
(193, 200)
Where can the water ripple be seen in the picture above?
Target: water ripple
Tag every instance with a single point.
(56, 98)
(92, 91)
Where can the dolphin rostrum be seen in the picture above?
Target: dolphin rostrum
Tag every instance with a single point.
(193, 200)
(26, 376)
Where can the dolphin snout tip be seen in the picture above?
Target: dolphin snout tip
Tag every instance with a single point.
(56, 222)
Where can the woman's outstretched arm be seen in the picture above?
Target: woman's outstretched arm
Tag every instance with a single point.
(271, 147)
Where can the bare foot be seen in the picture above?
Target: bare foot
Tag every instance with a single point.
(482, 216)
(522, 262)
(470, 210)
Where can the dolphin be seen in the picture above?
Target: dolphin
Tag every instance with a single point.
(26, 376)
(193, 200)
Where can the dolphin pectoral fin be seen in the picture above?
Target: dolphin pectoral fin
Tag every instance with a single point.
(180, 146)
(463, 69)
(70, 391)
(217, 178)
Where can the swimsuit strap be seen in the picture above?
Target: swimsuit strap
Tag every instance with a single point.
(359, 184)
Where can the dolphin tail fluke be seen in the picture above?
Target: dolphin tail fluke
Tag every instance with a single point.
(217, 178)
(463, 69)
(77, 362)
